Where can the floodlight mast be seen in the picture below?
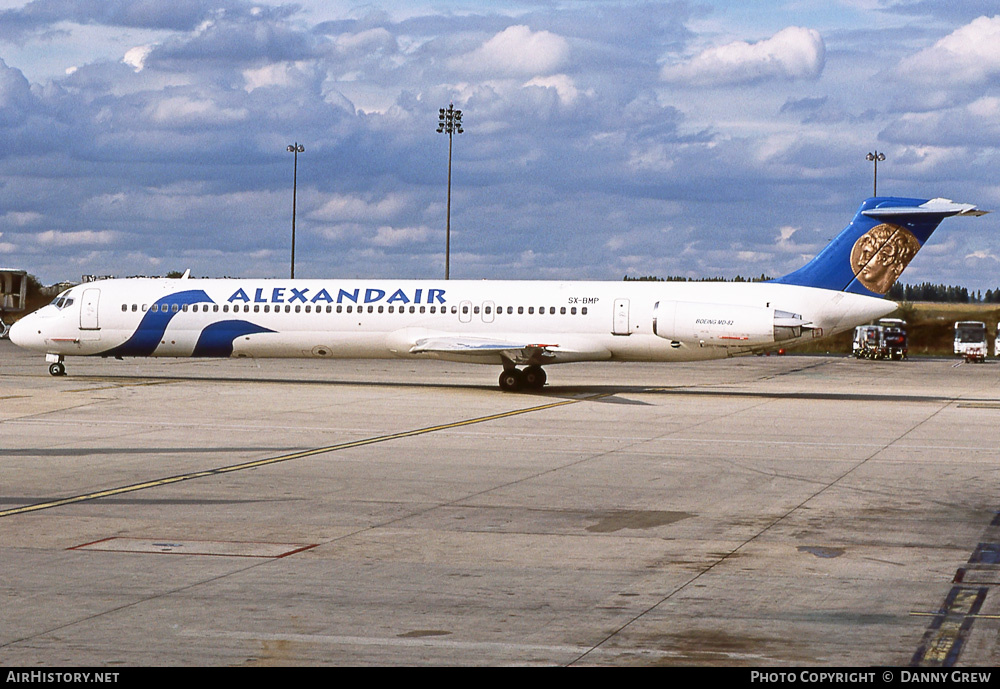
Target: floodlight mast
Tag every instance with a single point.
(450, 123)
(295, 148)
(875, 158)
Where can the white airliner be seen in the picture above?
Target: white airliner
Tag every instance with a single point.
(512, 324)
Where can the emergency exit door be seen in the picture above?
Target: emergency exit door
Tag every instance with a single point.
(622, 325)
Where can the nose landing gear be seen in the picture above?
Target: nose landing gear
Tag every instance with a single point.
(56, 365)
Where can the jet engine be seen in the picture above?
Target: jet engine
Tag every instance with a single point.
(724, 325)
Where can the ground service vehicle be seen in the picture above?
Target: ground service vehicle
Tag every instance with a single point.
(970, 340)
(893, 338)
(887, 340)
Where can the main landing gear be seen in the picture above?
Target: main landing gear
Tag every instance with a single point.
(531, 378)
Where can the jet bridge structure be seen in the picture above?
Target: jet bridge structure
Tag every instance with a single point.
(13, 293)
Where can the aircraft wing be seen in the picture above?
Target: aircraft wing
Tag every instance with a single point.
(519, 351)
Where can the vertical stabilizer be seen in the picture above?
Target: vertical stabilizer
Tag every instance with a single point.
(869, 255)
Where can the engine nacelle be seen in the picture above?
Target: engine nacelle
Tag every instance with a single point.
(726, 325)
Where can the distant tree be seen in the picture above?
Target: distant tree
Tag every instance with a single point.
(680, 278)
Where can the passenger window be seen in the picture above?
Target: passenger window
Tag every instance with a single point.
(572, 311)
(531, 309)
(423, 309)
(256, 308)
(562, 310)
(552, 311)
(380, 308)
(583, 310)
(215, 307)
(340, 309)
(124, 307)
(475, 309)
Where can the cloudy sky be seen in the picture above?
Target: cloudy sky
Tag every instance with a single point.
(696, 138)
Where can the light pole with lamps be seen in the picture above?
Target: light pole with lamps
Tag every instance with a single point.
(450, 123)
(875, 158)
(295, 148)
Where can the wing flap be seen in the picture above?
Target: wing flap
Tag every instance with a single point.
(519, 351)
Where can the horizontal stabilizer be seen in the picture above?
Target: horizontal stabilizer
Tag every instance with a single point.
(943, 207)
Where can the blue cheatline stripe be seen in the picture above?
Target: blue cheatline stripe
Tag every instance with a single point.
(217, 339)
(154, 323)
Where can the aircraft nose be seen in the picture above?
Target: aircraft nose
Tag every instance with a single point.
(19, 333)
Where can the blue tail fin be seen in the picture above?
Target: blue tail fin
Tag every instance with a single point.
(869, 254)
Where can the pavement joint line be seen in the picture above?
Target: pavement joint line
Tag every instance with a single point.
(951, 627)
(954, 614)
(727, 556)
(257, 463)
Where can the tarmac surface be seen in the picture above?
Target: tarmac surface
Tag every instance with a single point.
(767, 511)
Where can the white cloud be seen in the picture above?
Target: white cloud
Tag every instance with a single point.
(342, 208)
(366, 42)
(785, 236)
(57, 238)
(562, 84)
(20, 218)
(792, 53)
(136, 57)
(982, 254)
(949, 126)
(396, 236)
(516, 50)
(968, 55)
(283, 74)
(184, 111)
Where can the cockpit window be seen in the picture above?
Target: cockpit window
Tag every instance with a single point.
(62, 301)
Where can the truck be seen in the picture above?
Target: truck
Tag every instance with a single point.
(970, 340)
(865, 344)
(894, 344)
(884, 340)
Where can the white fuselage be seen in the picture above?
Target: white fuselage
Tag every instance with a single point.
(569, 321)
